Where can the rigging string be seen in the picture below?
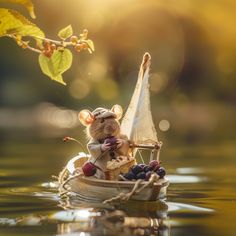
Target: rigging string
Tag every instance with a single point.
(136, 189)
(141, 157)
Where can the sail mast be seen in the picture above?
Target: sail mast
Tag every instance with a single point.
(137, 123)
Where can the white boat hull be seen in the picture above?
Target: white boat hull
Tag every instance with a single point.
(99, 190)
(93, 189)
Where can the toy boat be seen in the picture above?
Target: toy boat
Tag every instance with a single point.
(138, 125)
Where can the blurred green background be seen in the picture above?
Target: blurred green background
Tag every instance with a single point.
(192, 44)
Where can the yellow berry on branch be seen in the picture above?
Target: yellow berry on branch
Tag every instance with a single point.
(74, 39)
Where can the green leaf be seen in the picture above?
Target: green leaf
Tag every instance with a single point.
(26, 3)
(65, 32)
(58, 63)
(90, 44)
(12, 22)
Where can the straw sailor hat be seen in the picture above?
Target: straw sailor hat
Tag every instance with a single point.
(103, 113)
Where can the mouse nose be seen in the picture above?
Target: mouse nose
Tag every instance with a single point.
(110, 128)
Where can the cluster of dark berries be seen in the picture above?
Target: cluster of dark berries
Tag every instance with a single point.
(142, 171)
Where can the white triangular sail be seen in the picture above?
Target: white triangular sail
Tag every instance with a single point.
(137, 123)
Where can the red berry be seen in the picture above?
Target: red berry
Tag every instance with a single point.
(154, 164)
(84, 45)
(47, 53)
(66, 139)
(78, 47)
(89, 169)
(74, 39)
(46, 45)
(53, 46)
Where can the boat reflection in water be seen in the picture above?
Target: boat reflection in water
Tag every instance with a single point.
(131, 218)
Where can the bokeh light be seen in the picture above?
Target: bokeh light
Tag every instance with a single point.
(97, 69)
(164, 125)
(79, 89)
(107, 89)
(158, 82)
(56, 117)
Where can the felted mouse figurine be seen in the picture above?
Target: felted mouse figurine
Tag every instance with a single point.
(106, 142)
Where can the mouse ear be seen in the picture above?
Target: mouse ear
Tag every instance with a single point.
(117, 109)
(86, 117)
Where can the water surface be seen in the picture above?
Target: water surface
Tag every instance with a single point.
(201, 198)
